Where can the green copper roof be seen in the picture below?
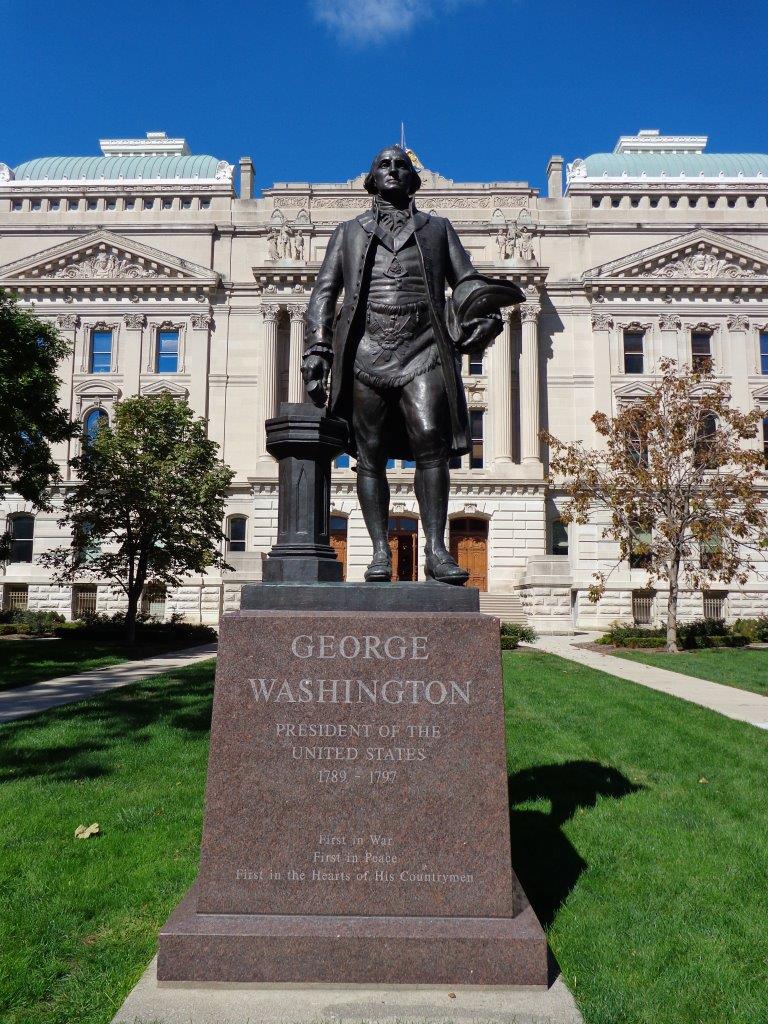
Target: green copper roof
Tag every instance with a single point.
(112, 168)
(672, 165)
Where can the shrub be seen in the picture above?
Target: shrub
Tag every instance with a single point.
(621, 635)
(755, 630)
(512, 634)
(11, 628)
(112, 627)
(36, 623)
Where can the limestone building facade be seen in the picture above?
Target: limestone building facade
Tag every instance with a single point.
(166, 278)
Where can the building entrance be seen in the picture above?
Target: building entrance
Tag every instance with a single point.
(403, 543)
(338, 540)
(469, 546)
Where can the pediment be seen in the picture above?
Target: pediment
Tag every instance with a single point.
(165, 387)
(760, 394)
(700, 257)
(632, 392)
(104, 258)
(97, 389)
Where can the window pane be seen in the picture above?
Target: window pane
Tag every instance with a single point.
(701, 350)
(237, 533)
(633, 352)
(764, 352)
(559, 538)
(476, 433)
(22, 534)
(95, 419)
(476, 362)
(342, 462)
(101, 351)
(168, 352)
(408, 463)
(15, 596)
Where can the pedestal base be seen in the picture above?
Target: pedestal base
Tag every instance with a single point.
(332, 949)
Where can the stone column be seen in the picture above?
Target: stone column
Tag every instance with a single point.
(501, 396)
(295, 380)
(670, 325)
(602, 325)
(529, 385)
(742, 364)
(268, 384)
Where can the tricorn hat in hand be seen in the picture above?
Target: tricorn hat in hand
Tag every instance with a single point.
(479, 296)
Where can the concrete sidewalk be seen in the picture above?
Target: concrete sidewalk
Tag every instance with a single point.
(726, 700)
(49, 693)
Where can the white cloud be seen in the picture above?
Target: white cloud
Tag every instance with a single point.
(371, 21)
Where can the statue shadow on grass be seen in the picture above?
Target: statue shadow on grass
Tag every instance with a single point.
(544, 860)
(83, 745)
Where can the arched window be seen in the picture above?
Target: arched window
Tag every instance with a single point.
(95, 419)
(236, 533)
(22, 529)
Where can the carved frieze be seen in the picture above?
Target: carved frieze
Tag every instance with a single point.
(702, 264)
(201, 321)
(135, 321)
(103, 265)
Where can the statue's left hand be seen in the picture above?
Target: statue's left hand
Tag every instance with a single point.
(480, 332)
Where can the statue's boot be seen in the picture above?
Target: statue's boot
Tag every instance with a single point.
(373, 495)
(432, 484)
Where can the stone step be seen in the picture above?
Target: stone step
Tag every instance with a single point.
(507, 607)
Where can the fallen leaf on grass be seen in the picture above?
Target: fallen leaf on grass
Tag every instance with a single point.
(703, 781)
(85, 832)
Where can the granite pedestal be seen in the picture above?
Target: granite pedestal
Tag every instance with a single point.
(356, 819)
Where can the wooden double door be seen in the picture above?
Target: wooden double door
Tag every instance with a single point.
(403, 543)
(469, 546)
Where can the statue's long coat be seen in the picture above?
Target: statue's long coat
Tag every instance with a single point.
(347, 266)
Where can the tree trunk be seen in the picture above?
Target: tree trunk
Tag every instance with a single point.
(674, 575)
(130, 616)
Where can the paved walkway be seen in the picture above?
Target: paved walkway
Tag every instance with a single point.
(727, 700)
(29, 700)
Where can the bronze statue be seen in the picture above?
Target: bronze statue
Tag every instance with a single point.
(396, 348)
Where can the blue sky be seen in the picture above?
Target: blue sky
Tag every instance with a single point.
(488, 89)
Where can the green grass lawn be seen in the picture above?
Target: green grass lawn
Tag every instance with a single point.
(638, 831)
(28, 661)
(745, 669)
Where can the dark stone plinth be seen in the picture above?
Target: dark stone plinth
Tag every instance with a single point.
(304, 441)
(356, 816)
(362, 597)
(347, 950)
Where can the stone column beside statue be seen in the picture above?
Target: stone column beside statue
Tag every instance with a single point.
(296, 392)
(268, 385)
(501, 396)
(530, 446)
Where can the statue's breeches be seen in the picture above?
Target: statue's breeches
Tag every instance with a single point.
(397, 346)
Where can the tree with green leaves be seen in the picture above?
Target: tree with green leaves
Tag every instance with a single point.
(31, 419)
(683, 491)
(149, 502)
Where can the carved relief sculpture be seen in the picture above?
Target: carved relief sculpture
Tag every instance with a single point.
(702, 265)
(504, 244)
(272, 242)
(104, 265)
(298, 246)
(524, 245)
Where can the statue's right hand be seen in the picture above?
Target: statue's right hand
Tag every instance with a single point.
(314, 368)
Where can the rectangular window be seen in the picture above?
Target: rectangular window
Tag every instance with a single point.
(15, 596)
(639, 556)
(559, 538)
(764, 352)
(101, 351)
(476, 434)
(236, 534)
(22, 530)
(83, 600)
(153, 601)
(765, 440)
(701, 351)
(168, 352)
(714, 604)
(476, 362)
(642, 607)
(708, 551)
(633, 352)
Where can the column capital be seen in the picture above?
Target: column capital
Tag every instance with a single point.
(297, 311)
(529, 312)
(68, 321)
(201, 321)
(602, 321)
(134, 321)
(270, 312)
(738, 322)
(669, 322)
(507, 314)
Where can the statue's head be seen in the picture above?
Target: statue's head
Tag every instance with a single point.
(392, 172)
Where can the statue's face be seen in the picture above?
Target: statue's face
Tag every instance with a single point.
(392, 172)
